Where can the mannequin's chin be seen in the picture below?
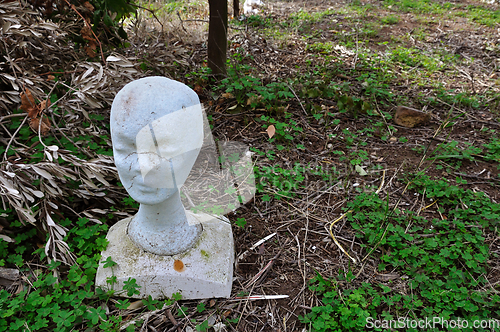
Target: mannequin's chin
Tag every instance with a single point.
(151, 196)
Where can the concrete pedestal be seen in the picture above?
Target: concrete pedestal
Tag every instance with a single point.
(204, 271)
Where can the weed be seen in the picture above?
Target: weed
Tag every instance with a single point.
(453, 153)
(493, 150)
(240, 222)
(479, 14)
(347, 312)
(353, 105)
(461, 98)
(286, 182)
(415, 58)
(369, 30)
(303, 18)
(444, 260)
(285, 131)
(281, 181)
(391, 19)
(50, 303)
(259, 21)
(249, 90)
(325, 48)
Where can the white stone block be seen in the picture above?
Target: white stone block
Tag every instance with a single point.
(206, 270)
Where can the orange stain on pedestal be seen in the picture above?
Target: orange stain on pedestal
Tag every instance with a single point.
(179, 266)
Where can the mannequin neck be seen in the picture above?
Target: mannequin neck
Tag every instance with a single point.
(162, 216)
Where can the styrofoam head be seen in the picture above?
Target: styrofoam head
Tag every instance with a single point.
(157, 133)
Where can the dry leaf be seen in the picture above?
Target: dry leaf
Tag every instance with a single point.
(45, 104)
(87, 33)
(91, 49)
(44, 127)
(87, 5)
(198, 89)
(271, 131)
(27, 101)
(33, 112)
(135, 305)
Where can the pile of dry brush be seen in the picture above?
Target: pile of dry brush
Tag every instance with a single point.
(47, 87)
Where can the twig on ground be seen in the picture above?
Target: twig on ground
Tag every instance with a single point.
(298, 99)
(13, 137)
(335, 240)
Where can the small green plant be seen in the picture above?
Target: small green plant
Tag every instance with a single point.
(353, 105)
(284, 131)
(131, 287)
(203, 326)
(454, 154)
(493, 150)
(152, 304)
(319, 47)
(130, 202)
(51, 303)
(281, 181)
(345, 310)
(259, 21)
(411, 58)
(451, 97)
(249, 90)
(391, 19)
(444, 260)
(240, 222)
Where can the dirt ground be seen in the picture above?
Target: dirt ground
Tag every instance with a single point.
(301, 246)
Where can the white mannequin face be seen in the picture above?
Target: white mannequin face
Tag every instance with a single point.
(157, 132)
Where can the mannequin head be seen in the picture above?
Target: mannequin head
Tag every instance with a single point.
(157, 133)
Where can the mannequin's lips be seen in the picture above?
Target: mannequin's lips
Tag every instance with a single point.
(145, 189)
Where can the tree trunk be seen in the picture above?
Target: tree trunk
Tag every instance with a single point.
(217, 36)
(236, 8)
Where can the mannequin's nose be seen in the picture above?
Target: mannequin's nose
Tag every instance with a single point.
(161, 175)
